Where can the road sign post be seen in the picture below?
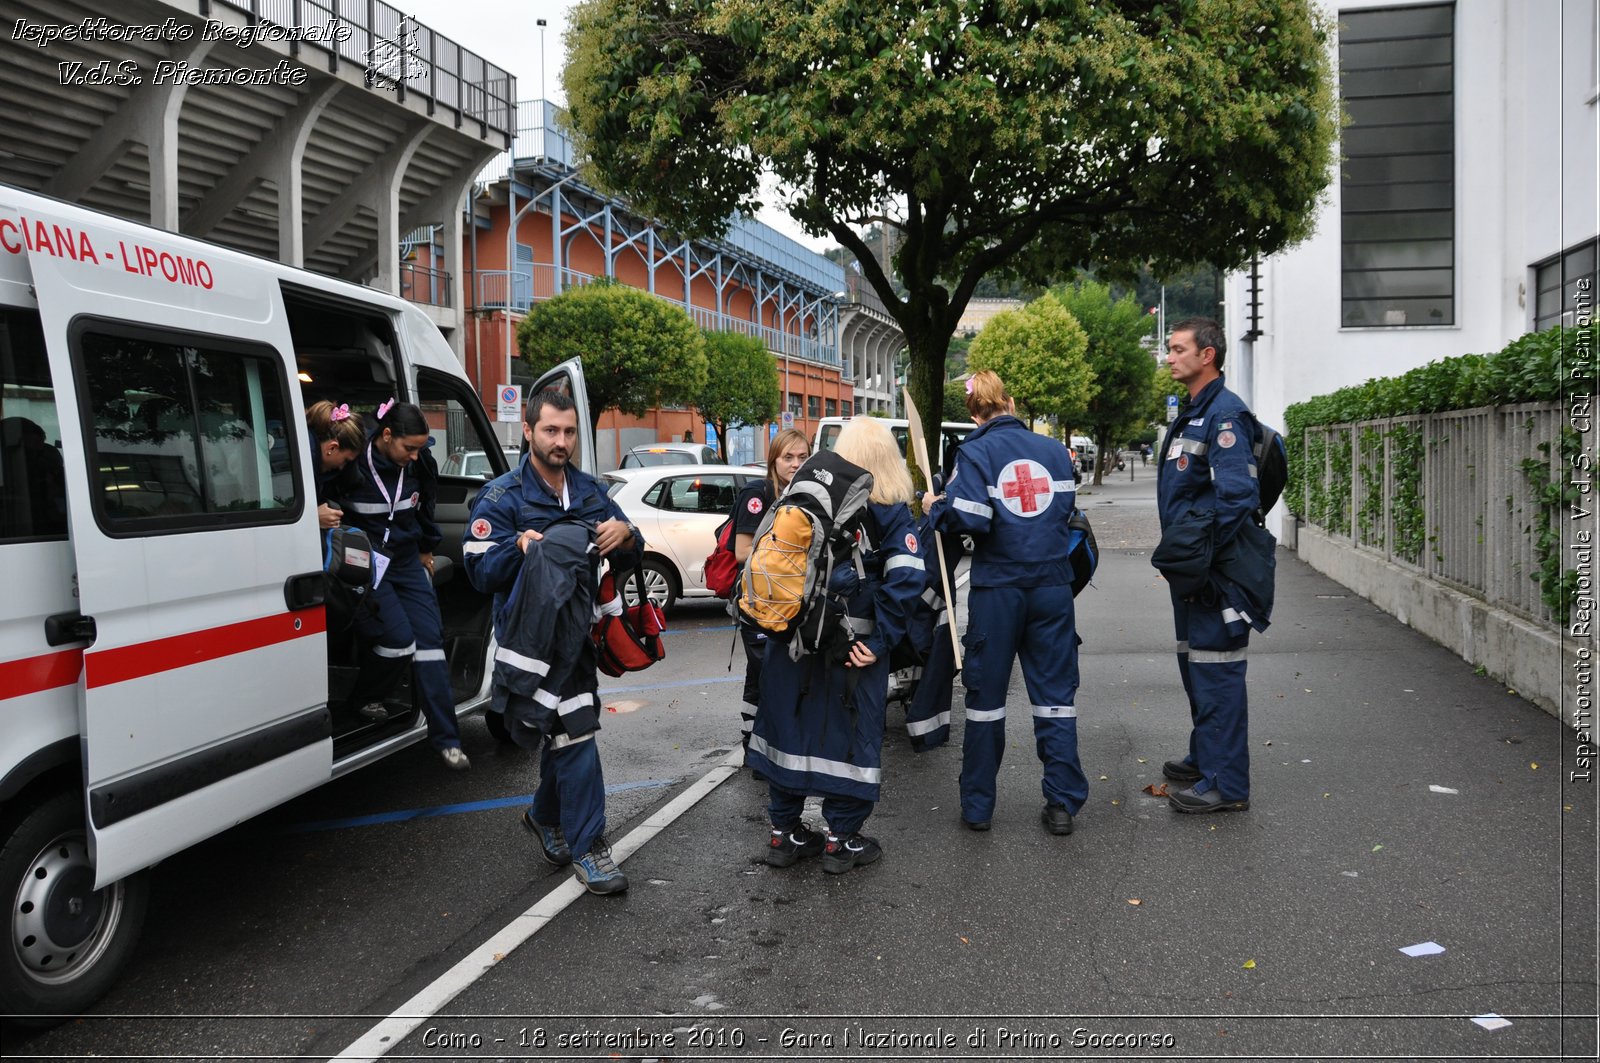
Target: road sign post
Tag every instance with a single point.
(510, 405)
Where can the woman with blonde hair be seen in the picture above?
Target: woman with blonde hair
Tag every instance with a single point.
(337, 436)
(785, 454)
(819, 727)
(1013, 492)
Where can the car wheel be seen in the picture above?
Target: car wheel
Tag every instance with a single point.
(68, 940)
(660, 585)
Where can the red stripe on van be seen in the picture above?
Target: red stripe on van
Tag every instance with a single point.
(179, 651)
(44, 672)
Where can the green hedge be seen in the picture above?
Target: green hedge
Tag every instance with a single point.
(1539, 367)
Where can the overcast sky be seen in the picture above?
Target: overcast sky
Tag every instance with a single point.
(506, 33)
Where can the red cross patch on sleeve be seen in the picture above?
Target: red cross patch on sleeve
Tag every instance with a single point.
(481, 529)
(754, 505)
(1226, 439)
(911, 543)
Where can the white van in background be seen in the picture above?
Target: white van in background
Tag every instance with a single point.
(166, 665)
(951, 433)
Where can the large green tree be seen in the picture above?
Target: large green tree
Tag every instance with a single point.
(1027, 138)
(638, 351)
(1121, 364)
(1039, 353)
(741, 384)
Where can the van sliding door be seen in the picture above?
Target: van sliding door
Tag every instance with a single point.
(204, 691)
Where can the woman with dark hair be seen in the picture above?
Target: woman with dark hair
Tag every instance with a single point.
(786, 453)
(337, 437)
(391, 499)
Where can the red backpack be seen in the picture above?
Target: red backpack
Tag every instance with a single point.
(722, 567)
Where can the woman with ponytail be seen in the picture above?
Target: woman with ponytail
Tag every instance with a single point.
(336, 438)
(391, 499)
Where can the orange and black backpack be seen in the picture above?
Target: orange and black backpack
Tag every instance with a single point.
(812, 525)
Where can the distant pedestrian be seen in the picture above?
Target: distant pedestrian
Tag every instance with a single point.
(1208, 496)
(1013, 492)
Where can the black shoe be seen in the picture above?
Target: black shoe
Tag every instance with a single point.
(1056, 818)
(785, 847)
(552, 842)
(1180, 771)
(1210, 801)
(843, 853)
(975, 824)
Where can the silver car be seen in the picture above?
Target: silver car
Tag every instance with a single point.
(678, 509)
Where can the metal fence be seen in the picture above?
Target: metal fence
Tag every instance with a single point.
(1460, 497)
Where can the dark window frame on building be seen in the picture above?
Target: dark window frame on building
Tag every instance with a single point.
(1555, 284)
(1397, 179)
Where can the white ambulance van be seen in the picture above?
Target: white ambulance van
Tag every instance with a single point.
(166, 668)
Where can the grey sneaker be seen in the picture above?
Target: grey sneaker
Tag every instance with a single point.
(552, 842)
(374, 710)
(596, 870)
(455, 759)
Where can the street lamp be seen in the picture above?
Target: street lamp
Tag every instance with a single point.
(541, 23)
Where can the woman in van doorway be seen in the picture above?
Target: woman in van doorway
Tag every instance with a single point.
(337, 438)
(786, 453)
(391, 499)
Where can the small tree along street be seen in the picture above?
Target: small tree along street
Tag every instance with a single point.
(1039, 353)
(741, 385)
(638, 351)
(1025, 138)
(1122, 402)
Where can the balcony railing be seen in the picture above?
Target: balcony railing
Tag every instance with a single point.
(424, 284)
(492, 287)
(397, 51)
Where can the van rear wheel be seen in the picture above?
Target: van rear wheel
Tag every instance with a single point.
(67, 942)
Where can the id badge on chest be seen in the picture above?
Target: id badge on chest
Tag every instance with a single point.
(380, 561)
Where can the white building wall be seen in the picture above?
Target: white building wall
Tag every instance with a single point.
(1526, 188)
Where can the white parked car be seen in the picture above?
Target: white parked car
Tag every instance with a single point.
(652, 454)
(476, 463)
(678, 509)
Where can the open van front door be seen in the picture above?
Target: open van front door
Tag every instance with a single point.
(203, 696)
(567, 378)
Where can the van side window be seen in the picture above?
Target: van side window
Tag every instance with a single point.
(33, 482)
(186, 432)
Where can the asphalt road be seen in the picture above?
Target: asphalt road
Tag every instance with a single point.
(1144, 934)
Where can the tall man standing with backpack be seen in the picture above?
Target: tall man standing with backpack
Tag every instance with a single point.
(1218, 564)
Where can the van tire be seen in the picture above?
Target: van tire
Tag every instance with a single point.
(47, 880)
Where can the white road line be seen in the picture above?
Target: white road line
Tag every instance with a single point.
(376, 1042)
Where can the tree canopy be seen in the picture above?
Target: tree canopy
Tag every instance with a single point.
(741, 384)
(1039, 353)
(638, 351)
(1027, 138)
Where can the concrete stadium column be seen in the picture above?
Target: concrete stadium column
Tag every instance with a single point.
(386, 204)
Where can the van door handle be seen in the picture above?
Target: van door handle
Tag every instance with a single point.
(304, 590)
(63, 628)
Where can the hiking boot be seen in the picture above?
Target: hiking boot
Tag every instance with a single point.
(1210, 801)
(596, 870)
(455, 758)
(552, 842)
(785, 847)
(1056, 818)
(1180, 770)
(976, 824)
(843, 853)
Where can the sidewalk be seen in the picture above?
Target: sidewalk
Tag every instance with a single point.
(1397, 799)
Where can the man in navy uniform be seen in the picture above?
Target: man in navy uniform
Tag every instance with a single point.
(513, 513)
(1207, 464)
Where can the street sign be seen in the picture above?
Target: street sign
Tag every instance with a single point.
(1172, 408)
(788, 419)
(510, 408)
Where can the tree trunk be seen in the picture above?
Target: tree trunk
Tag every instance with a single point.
(925, 381)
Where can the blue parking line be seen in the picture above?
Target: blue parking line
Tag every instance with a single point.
(407, 814)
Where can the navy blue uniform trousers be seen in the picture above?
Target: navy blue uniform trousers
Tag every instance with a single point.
(405, 625)
(1211, 661)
